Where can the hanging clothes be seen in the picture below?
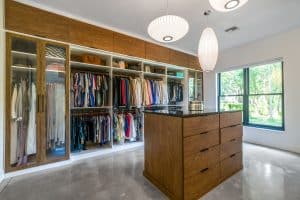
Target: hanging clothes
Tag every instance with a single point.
(127, 91)
(127, 126)
(55, 116)
(154, 92)
(31, 138)
(90, 129)
(89, 90)
(23, 135)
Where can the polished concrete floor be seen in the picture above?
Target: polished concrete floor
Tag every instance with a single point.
(267, 175)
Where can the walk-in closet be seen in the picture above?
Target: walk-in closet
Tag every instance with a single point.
(66, 100)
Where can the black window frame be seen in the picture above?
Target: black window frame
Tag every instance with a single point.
(246, 94)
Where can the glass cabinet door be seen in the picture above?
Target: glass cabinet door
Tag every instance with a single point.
(55, 100)
(22, 101)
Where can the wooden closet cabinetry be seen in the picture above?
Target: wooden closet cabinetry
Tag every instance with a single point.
(37, 102)
(184, 155)
(231, 134)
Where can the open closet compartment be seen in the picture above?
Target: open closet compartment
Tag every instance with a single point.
(177, 86)
(37, 104)
(90, 100)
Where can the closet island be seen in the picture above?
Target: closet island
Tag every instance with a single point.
(187, 153)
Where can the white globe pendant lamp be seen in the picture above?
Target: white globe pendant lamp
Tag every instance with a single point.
(227, 5)
(168, 28)
(208, 49)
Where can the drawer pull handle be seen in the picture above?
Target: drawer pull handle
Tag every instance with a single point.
(233, 125)
(204, 133)
(232, 155)
(232, 140)
(204, 170)
(203, 150)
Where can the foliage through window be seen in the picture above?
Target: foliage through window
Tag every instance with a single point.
(258, 91)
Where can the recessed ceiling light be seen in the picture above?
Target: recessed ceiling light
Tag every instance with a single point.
(227, 5)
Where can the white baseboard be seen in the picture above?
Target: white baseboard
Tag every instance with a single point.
(75, 157)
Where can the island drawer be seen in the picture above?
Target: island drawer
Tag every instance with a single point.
(203, 182)
(201, 124)
(230, 133)
(231, 165)
(201, 160)
(230, 118)
(197, 143)
(229, 148)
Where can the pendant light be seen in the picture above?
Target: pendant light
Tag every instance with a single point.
(208, 48)
(227, 5)
(168, 28)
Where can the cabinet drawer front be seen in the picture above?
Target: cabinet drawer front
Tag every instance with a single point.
(203, 182)
(230, 133)
(230, 148)
(231, 165)
(197, 143)
(230, 119)
(196, 125)
(201, 160)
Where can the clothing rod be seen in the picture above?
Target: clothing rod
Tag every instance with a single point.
(88, 71)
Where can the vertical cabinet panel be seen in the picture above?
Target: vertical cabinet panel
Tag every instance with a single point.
(30, 20)
(36, 101)
(21, 98)
(194, 62)
(128, 45)
(157, 53)
(179, 58)
(90, 36)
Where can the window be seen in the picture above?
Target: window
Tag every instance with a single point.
(258, 91)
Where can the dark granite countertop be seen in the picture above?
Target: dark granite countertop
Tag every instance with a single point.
(185, 113)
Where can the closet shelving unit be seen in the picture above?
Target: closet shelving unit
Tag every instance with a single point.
(136, 67)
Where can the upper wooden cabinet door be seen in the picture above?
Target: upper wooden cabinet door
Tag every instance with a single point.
(194, 62)
(129, 46)
(157, 53)
(179, 58)
(91, 36)
(30, 20)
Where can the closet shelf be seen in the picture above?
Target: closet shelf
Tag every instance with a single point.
(55, 71)
(20, 53)
(174, 77)
(55, 58)
(75, 64)
(89, 108)
(154, 74)
(126, 70)
(23, 68)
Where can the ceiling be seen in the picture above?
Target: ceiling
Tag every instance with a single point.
(256, 20)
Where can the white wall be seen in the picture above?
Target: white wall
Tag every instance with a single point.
(287, 46)
(2, 87)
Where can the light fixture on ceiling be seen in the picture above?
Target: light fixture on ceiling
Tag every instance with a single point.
(227, 5)
(208, 48)
(168, 28)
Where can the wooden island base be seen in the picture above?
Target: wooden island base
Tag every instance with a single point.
(189, 153)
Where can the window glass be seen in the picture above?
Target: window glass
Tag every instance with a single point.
(232, 82)
(266, 79)
(266, 110)
(230, 103)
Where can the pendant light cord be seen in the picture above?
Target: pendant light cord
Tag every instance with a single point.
(167, 7)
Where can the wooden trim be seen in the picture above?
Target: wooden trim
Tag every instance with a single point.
(30, 20)
(8, 102)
